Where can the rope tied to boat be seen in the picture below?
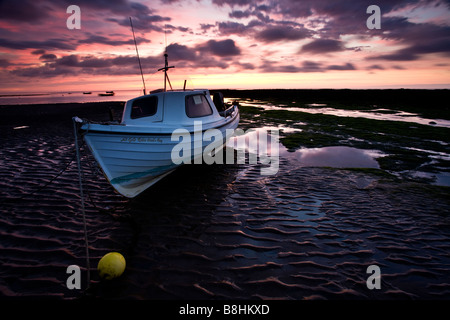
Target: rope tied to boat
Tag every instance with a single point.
(80, 180)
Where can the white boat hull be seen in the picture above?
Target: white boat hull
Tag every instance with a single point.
(133, 161)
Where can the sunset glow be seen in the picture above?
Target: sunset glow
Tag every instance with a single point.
(234, 44)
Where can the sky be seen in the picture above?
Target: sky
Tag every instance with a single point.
(236, 44)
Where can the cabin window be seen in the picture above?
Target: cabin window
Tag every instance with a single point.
(197, 106)
(145, 107)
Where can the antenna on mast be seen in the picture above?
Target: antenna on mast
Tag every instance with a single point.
(166, 65)
(137, 53)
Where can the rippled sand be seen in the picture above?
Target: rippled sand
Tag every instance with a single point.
(217, 232)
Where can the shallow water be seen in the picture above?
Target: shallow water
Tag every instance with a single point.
(220, 231)
(67, 97)
(375, 114)
(337, 157)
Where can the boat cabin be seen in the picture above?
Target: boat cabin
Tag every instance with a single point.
(180, 107)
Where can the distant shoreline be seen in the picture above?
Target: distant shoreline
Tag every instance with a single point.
(428, 102)
(24, 95)
(58, 112)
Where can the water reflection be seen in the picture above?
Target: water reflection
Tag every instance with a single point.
(337, 157)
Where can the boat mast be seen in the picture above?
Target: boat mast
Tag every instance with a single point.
(166, 67)
(137, 53)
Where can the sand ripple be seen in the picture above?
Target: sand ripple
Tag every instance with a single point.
(218, 232)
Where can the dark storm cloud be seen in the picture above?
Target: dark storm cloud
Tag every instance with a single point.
(320, 46)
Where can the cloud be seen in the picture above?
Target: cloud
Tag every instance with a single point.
(4, 63)
(256, 11)
(97, 39)
(311, 66)
(279, 33)
(206, 26)
(246, 66)
(48, 57)
(233, 3)
(417, 38)
(420, 37)
(305, 67)
(400, 55)
(345, 67)
(326, 26)
(239, 14)
(72, 65)
(143, 22)
(375, 67)
(230, 27)
(28, 11)
(179, 52)
(38, 51)
(170, 28)
(321, 46)
(62, 44)
(223, 48)
(200, 56)
(119, 11)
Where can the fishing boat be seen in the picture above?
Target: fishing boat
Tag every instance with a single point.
(107, 93)
(137, 152)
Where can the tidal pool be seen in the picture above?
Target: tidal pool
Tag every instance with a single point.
(337, 157)
(332, 156)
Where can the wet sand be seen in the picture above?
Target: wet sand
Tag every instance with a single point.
(212, 232)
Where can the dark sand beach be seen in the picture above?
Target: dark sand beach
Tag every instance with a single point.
(224, 231)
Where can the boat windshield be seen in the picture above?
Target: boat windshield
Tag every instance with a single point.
(197, 106)
(145, 107)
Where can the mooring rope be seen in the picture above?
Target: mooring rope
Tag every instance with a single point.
(80, 180)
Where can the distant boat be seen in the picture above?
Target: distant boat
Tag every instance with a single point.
(107, 93)
(88, 92)
(137, 152)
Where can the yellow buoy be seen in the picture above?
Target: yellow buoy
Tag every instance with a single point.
(111, 266)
